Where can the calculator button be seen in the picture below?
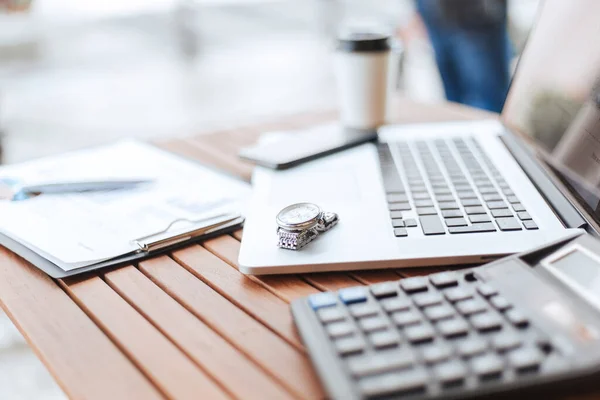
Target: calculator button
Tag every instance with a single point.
(421, 333)
(471, 306)
(415, 284)
(506, 341)
(350, 345)
(472, 347)
(525, 360)
(409, 381)
(486, 322)
(381, 362)
(321, 300)
(372, 324)
(352, 295)
(487, 366)
(404, 318)
(458, 294)
(500, 303)
(453, 328)
(436, 353)
(427, 299)
(362, 310)
(517, 318)
(444, 279)
(396, 304)
(327, 315)
(339, 329)
(486, 290)
(439, 312)
(450, 373)
(383, 339)
(386, 289)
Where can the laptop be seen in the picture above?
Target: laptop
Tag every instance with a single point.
(436, 194)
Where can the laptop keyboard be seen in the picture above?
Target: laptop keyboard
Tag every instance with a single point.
(448, 187)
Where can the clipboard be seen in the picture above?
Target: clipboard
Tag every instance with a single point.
(157, 243)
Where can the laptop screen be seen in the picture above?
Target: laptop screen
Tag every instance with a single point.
(554, 99)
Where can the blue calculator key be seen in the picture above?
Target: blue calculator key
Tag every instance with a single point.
(321, 300)
(353, 295)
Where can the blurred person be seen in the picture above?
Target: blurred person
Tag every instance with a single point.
(472, 49)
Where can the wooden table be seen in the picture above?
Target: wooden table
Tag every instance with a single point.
(188, 324)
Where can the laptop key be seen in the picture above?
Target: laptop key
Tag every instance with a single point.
(487, 189)
(512, 199)
(475, 228)
(503, 212)
(423, 203)
(452, 214)
(475, 210)
(456, 222)
(470, 202)
(421, 196)
(479, 218)
(518, 207)
(508, 224)
(397, 198)
(410, 223)
(398, 223)
(399, 207)
(396, 214)
(530, 225)
(466, 194)
(448, 205)
(444, 197)
(524, 215)
(492, 197)
(400, 232)
(432, 225)
(445, 191)
(426, 211)
(492, 205)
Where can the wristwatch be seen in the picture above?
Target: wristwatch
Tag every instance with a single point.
(301, 223)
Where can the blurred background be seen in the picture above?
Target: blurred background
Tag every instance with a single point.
(80, 73)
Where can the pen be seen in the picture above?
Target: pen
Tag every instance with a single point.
(83, 186)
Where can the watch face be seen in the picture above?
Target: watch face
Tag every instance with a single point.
(298, 214)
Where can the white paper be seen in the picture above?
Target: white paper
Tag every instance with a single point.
(75, 230)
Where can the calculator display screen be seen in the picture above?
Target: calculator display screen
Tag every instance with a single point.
(581, 269)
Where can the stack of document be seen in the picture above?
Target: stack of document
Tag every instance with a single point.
(76, 232)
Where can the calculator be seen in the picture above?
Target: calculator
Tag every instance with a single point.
(525, 324)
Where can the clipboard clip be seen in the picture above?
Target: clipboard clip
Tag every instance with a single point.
(199, 228)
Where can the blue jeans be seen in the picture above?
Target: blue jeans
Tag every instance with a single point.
(473, 62)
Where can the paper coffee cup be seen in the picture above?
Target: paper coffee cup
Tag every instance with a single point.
(361, 69)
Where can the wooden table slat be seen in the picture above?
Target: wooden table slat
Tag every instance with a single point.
(76, 351)
(286, 287)
(283, 361)
(217, 357)
(241, 290)
(219, 159)
(162, 362)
